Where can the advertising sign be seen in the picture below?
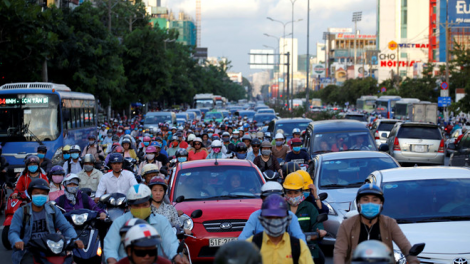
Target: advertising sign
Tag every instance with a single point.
(262, 59)
(459, 12)
(340, 30)
(352, 36)
(318, 69)
(392, 45)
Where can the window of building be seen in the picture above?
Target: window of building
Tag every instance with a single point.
(404, 18)
(403, 55)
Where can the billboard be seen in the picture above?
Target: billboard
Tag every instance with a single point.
(352, 36)
(262, 59)
(340, 30)
(318, 70)
(235, 77)
(459, 12)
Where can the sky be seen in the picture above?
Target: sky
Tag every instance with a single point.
(230, 28)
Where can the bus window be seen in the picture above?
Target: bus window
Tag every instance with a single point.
(92, 116)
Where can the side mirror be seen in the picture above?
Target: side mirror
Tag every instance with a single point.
(196, 213)
(416, 249)
(384, 148)
(323, 196)
(179, 199)
(322, 218)
(451, 146)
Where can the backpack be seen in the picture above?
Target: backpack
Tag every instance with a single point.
(27, 217)
(294, 245)
(85, 202)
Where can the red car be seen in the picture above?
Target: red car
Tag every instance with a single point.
(227, 192)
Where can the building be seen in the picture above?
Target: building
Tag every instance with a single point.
(285, 45)
(321, 53)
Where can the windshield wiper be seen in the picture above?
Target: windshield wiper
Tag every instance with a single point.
(334, 185)
(322, 151)
(228, 196)
(26, 130)
(444, 218)
(356, 184)
(404, 221)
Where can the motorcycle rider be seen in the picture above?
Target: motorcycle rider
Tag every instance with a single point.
(369, 224)
(36, 219)
(30, 173)
(255, 152)
(150, 158)
(229, 147)
(159, 188)
(235, 136)
(56, 176)
(296, 155)
(266, 161)
(129, 151)
(149, 171)
(173, 146)
(73, 166)
(295, 134)
(108, 140)
(241, 151)
(89, 176)
(182, 155)
(198, 152)
(247, 140)
(310, 192)
(93, 148)
(138, 199)
(44, 162)
(216, 150)
(280, 149)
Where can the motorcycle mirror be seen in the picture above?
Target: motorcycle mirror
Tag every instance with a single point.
(323, 196)
(179, 199)
(322, 218)
(196, 213)
(53, 203)
(416, 249)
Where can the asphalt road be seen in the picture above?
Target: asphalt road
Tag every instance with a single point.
(5, 255)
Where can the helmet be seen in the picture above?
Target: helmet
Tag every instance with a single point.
(115, 138)
(56, 170)
(139, 193)
(296, 142)
(181, 153)
(267, 134)
(255, 141)
(307, 179)
(71, 177)
(372, 251)
(241, 147)
(130, 223)
(42, 148)
(295, 131)
(150, 168)
(126, 140)
(115, 158)
(236, 132)
(158, 181)
(191, 137)
(66, 148)
(197, 139)
(226, 134)
(146, 139)
(293, 181)
(91, 136)
(370, 188)
(246, 137)
(38, 184)
(279, 136)
(118, 149)
(75, 148)
(151, 149)
(269, 175)
(127, 131)
(89, 158)
(238, 252)
(271, 187)
(31, 159)
(274, 205)
(266, 144)
(289, 167)
(216, 144)
(143, 235)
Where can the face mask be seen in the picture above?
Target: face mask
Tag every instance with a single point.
(119, 130)
(40, 199)
(41, 156)
(266, 152)
(33, 168)
(141, 213)
(150, 156)
(370, 210)
(241, 156)
(66, 156)
(295, 201)
(88, 167)
(140, 130)
(226, 139)
(306, 194)
(146, 144)
(275, 227)
(216, 150)
(296, 149)
(279, 143)
(110, 135)
(72, 190)
(210, 134)
(57, 178)
(74, 155)
(91, 142)
(182, 159)
(235, 137)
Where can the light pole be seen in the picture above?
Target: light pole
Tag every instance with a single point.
(307, 91)
(357, 16)
(275, 82)
(292, 79)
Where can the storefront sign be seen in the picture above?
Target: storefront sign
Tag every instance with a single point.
(392, 45)
(392, 63)
(352, 36)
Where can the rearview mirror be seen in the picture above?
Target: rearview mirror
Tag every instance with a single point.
(323, 196)
(196, 213)
(179, 199)
(416, 249)
(384, 148)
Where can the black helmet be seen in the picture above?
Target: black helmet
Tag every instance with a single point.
(38, 184)
(31, 159)
(115, 138)
(255, 141)
(370, 188)
(238, 252)
(289, 167)
(42, 148)
(241, 147)
(181, 153)
(115, 158)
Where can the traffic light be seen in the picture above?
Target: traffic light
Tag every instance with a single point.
(280, 95)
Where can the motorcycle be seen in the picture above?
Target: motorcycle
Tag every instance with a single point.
(115, 204)
(186, 223)
(51, 249)
(12, 206)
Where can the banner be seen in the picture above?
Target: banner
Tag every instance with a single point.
(459, 12)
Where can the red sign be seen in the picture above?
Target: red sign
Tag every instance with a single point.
(444, 86)
(391, 63)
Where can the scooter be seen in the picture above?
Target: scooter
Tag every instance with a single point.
(51, 249)
(12, 206)
(185, 220)
(115, 204)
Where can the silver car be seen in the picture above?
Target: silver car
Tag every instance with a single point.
(340, 174)
(414, 142)
(381, 128)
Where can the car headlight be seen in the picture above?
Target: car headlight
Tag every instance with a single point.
(55, 247)
(79, 219)
(120, 201)
(187, 222)
(331, 211)
(399, 257)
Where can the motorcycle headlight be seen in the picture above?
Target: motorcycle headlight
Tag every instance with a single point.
(55, 247)
(112, 201)
(399, 257)
(187, 222)
(120, 201)
(331, 211)
(79, 219)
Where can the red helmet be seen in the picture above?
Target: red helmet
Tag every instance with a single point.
(158, 181)
(151, 149)
(147, 139)
(118, 149)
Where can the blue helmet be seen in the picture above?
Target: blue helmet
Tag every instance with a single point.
(57, 170)
(127, 132)
(274, 205)
(115, 158)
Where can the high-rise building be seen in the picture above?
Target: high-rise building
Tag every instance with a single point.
(285, 45)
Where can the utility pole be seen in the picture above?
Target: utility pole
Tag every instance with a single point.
(357, 16)
(307, 91)
(292, 64)
(398, 67)
(288, 75)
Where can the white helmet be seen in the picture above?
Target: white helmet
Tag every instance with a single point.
(279, 136)
(271, 187)
(197, 139)
(191, 137)
(69, 177)
(142, 235)
(75, 148)
(216, 144)
(139, 193)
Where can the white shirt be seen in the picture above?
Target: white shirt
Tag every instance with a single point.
(110, 184)
(75, 167)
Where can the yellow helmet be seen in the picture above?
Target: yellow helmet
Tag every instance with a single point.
(66, 148)
(293, 181)
(307, 179)
(150, 168)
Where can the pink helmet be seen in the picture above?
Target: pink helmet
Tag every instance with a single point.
(151, 149)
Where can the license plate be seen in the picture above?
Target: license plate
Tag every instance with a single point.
(18, 170)
(419, 148)
(218, 242)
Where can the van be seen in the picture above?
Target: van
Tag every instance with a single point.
(152, 119)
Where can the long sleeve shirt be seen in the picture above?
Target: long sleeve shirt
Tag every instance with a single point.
(112, 184)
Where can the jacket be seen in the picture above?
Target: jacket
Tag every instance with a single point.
(79, 203)
(274, 166)
(348, 238)
(307, 215)
(59, 223)
(24, 181)
(46, 165)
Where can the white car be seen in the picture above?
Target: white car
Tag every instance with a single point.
(432, 206)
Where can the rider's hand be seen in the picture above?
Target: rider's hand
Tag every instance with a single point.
(79, 244)
(180, 260)
(313, 189)
(19, 245)
(97, 199)
(321, 232)
(14, 195)
(180, 213)
(187, 232)
(102, 216)
(111, 260)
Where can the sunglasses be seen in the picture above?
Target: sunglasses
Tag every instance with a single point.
(145, 252)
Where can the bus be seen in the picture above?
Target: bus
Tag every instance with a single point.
(366, 103)
(49, 114)
(204, 101)
(385, 105)
(402, 107)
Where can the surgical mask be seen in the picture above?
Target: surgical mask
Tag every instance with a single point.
(146, 144)
(119, 130)
(72, 190)
(57, 178)
(40, 199)
(141, 213)
(66, 156)
(279, 143)
(241, 155)
(140, 130)
(91, 142)
(150, 156)
(88, 167)
(74, 155)
(33, 168)
(182, 159)
(216, 150)
(210, 135)
(274, 227)
(235, 136)
(370, 210)
(296, 149)
(41, 156)
(266, 152)
(225, 139)
(295, 201)
(306, 194)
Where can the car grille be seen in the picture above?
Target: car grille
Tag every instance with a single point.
(228, 225)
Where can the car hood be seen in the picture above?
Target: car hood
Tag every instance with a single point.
(440, 237)
(345, 195)
(221, 209)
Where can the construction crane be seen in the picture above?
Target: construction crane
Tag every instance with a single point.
(198, 23)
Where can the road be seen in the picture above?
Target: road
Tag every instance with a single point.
(5, 255)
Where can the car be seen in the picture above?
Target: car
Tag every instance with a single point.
(180, 122)
(356, 116)
(460, 152)
(204, 185)
(248, 113)
(192, 115)
(287, 125)
(340, 175)
(261, 118)
(213, 116)
(153, 119)
(197, 111)
(258, 107)
(381, 128)
(184, 116)
(266, 111)
(431, 205)
(416, 143)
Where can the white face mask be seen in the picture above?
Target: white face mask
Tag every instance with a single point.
(150, 156)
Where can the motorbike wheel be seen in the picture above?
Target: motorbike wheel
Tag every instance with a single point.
(6, 242)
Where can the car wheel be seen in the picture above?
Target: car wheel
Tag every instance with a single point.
(5, 241)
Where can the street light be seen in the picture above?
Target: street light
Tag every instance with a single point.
(357, 16)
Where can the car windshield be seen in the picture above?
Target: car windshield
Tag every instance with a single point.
(419, 132)
(263, 118)
(249, 115)
(182, 116)
(156, 119)
(218, 182)
(343, 141)
(288, 127)
(384, 126)
(355, 117)
(215, 115)
(432, 200)
(351, 173)
(29, 117)
(266, 111)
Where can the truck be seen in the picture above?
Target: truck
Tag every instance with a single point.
(220, 101)
(204, 101)
(402, 108)
(423, 112)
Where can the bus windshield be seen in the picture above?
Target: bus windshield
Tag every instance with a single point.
(203, 103)
(369, 105)
(29, 117)
(401, 110)
(382, 105)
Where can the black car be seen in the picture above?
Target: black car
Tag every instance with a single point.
(287, 125)
(460, 152)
